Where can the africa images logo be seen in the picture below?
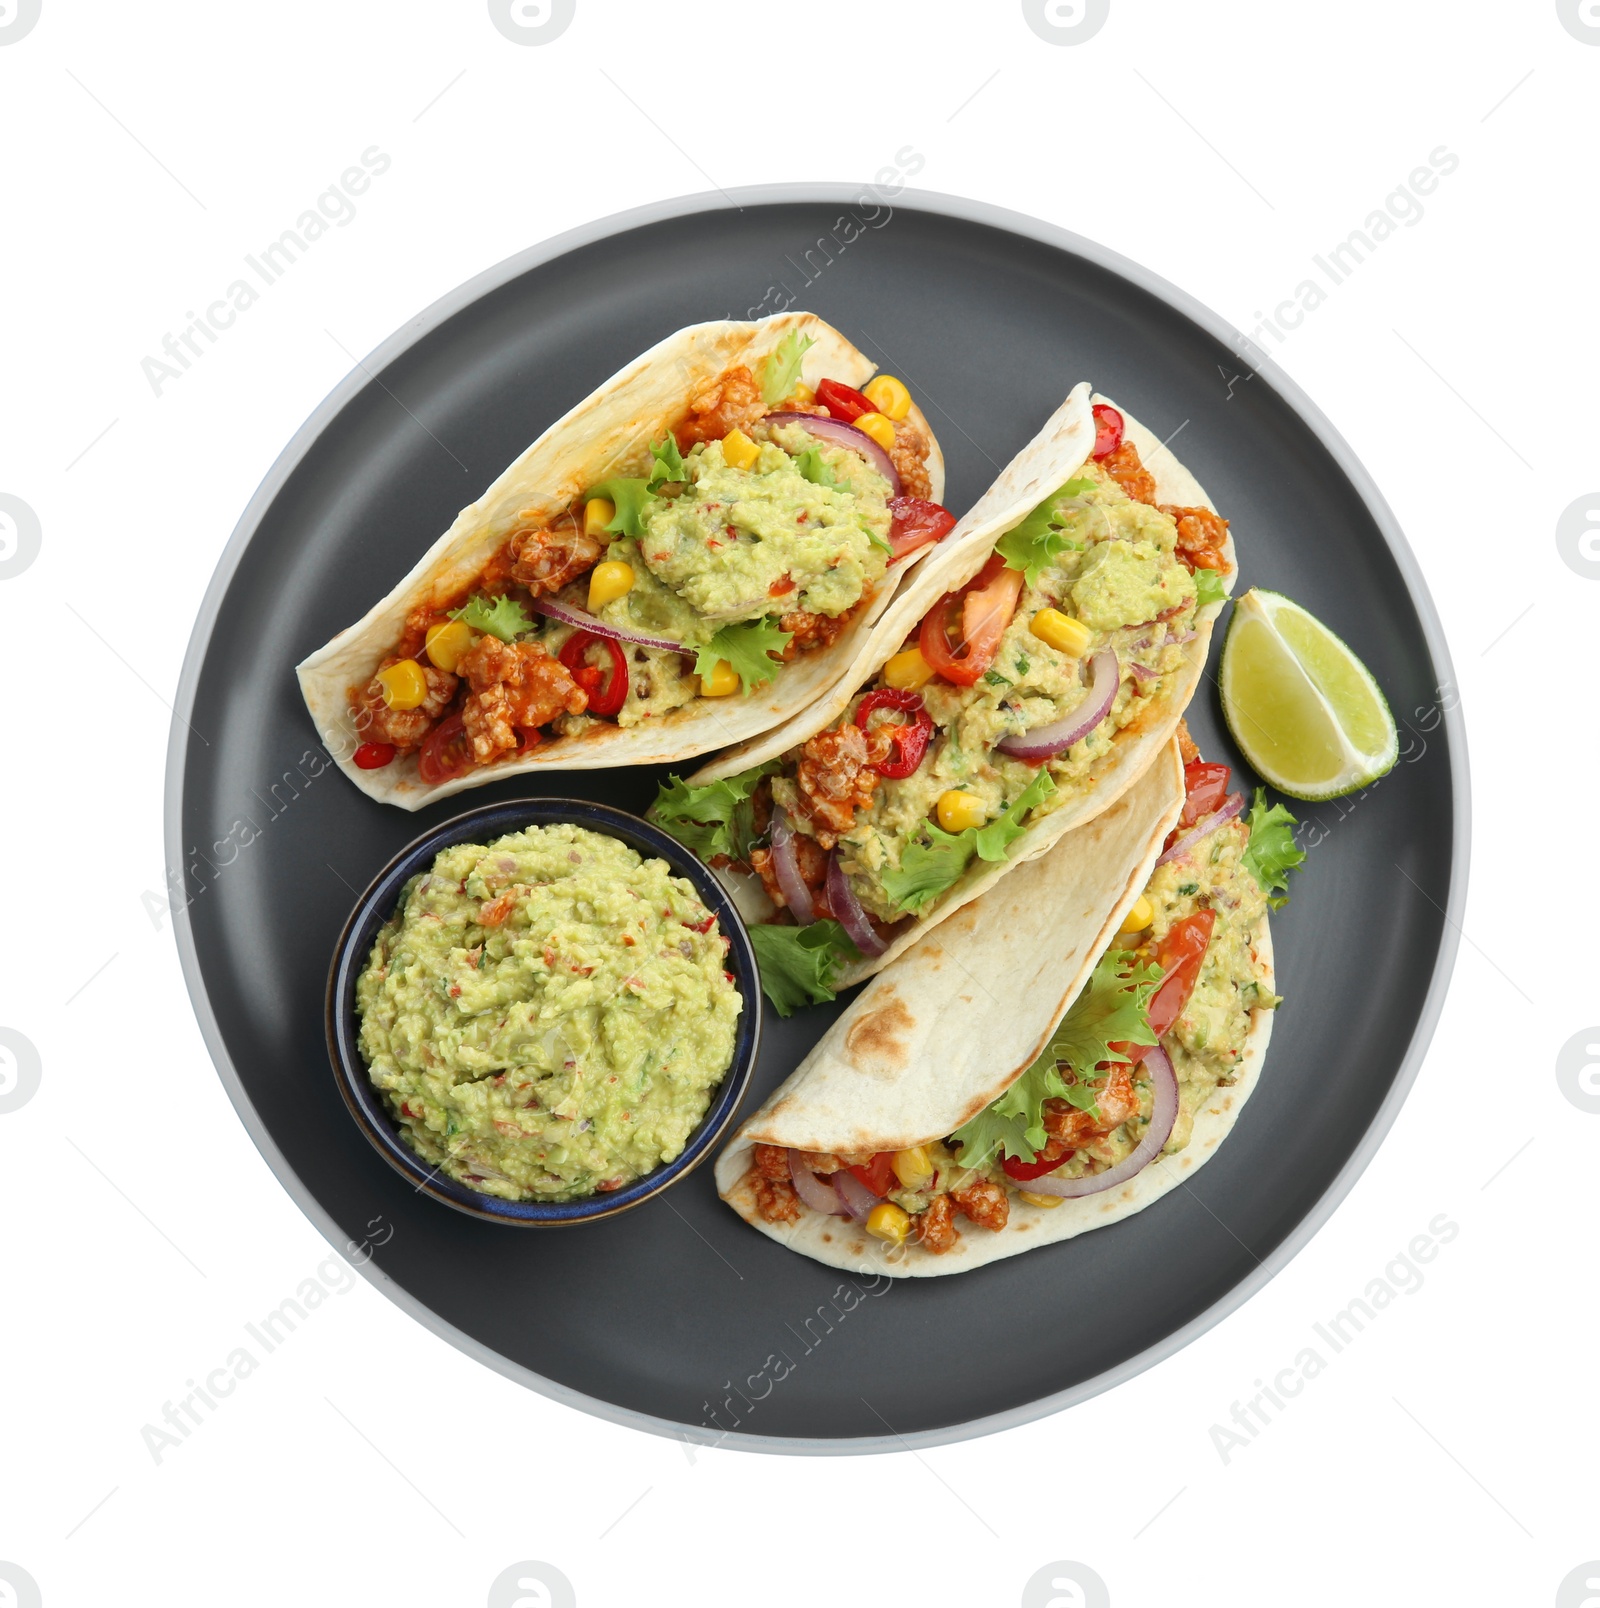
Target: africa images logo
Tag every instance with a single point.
(1066, 22)
(532, 22)
(20, 536)
(18, 19)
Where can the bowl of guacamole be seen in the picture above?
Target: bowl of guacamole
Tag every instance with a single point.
(544, 1012)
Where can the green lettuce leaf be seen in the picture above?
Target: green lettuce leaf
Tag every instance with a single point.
(1032, 546)
(812, 468)
(714, 819)
(1114, 1008)
(1209, 586)
(1271, 854)
(669, 465)
(780, 371)
(799, 965)
(748, 647)
(932, 862)
(630, 496)
(504, 618)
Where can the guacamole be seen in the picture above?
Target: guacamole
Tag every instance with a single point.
(738, 544)
(1117, 572)
(547, 1015)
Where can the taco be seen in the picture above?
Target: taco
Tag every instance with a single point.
(1021, 682)
(694, 553)
(913, 1140)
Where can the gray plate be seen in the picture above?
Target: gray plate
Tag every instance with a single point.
(677, 1317)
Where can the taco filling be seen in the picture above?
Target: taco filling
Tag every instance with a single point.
(767, 519)
(1162, 1024)
(1002, 706)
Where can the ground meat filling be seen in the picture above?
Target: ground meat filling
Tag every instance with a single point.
(514, 684)
(808, 631)
(1201, 535)
(835, 777)
(985, 1203)
(732, 403)
(910, 459)
(936, 1226)
(1124, 466)
(546, 560)
(405, 728)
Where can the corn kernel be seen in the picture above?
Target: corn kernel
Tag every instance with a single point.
(914, 1167)
(907, 671)
(878, 427)
(888, 396)
(608, 582)
(722, 680)
(447, 641)
(598, 512)
(957, 810)
(1047, 1201)
(404, 685)
(802, 393)
(1140, 917)
(1061, 631)
(886, 1221)
(738, 450)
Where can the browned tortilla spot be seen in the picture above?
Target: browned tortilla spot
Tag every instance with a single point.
(877, 1043)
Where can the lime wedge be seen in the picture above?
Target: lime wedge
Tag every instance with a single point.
(1303, 708)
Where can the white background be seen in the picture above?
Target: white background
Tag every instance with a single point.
(1445, 1455)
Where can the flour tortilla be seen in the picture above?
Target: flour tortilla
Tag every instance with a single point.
(921, 1049)
(1047, 462)
(607, 434)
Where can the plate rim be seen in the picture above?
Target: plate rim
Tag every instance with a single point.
(962, 209)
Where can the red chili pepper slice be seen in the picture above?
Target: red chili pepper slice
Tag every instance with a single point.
(916, 524)
(528, 737)
(446, 752)
(878, 1174)
(606, 695)
(910, 740)
(987, 603)
(373, 756)
(1108, 430)
(842, 402)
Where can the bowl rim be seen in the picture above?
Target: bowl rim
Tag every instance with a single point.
(378, 902)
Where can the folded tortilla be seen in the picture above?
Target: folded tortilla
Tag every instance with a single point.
(607, 434)
(1047, 462)
(963, 1014)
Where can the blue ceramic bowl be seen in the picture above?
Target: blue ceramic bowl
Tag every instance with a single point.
(380, 901)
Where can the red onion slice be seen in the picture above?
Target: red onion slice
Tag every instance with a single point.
(839, 434)
(1105, 676)
(1209, 825)
(857, 1199)
(786, 867)
(568, 615)
(847, 909)
(1163, 1114)
(811, 1189)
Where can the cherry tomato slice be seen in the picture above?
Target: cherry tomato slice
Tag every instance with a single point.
(1206, 786)
(446, 752)
(1178, 955)
(917, 524)
(373, 756)
(1046, 1161)
(528, 737)
(987, 603)
(878, 1174)
(1108, 430)
(842, 402)
(910, 740)
(604, 699)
